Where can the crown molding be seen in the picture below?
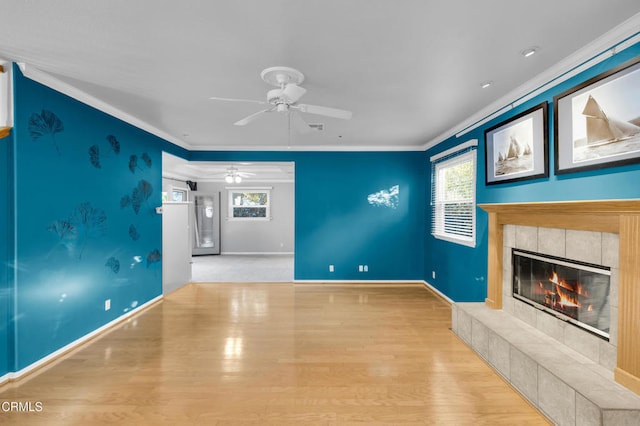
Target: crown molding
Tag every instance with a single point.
(328, 148)
(48, 80)
(614, 41)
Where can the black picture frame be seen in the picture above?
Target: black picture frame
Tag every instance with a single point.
(518, 149)
(597, 123)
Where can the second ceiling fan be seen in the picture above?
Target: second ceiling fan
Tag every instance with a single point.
(285, 99)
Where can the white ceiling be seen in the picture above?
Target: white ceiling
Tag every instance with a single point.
(410, 70)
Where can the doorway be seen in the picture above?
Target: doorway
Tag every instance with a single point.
(252, 249)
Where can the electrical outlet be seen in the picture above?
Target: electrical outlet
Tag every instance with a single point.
(433, 274)
(331, 268)
(366, 268)
(107, 304)
(360, 268)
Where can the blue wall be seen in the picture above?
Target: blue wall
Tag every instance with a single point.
(6, 254)
(334, 222)
(86, 188)
(461, 271)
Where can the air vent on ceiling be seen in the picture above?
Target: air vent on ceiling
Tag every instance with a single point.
(317, 126)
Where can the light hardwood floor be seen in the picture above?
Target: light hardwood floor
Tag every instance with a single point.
(233, 354)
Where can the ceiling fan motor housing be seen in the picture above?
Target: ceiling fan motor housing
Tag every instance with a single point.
(273, 96)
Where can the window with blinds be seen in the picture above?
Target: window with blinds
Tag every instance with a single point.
(453, 194)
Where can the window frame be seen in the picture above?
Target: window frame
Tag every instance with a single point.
(231, 207)
(461, 154)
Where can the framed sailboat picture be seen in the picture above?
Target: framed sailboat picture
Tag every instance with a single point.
(597, 123)
(517, 149)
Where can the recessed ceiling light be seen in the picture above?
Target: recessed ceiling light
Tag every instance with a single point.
(530, 51)
(486, 84)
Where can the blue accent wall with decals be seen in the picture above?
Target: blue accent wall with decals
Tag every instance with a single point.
(461, 271)
(87, 186)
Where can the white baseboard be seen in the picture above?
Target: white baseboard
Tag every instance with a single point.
(52, 356)
(438, 292)
(339, 282)
(257, 253)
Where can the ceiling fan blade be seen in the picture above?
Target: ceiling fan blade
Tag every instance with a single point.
(251, 117)
(292, 92)
(297, 121)
(329, 112)
(215, 98)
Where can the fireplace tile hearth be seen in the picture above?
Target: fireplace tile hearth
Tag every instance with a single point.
(499, 355)
(524, 375)
(480, 338)
(565, 385)
(587, 413)
(556, 398)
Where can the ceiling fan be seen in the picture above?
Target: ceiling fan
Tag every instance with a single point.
(285, 99)
(233, 175)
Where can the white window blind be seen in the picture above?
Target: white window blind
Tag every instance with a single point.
(453, 194)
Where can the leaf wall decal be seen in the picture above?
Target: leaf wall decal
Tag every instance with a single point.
(133, 163)
(140, 194)
(86, 215)
(94, 156)
(133, 233)
(45, 123)
(63, 228)
(147, 159)
(90, 220)
(114, 143)
(113, 264)
(153, 257)
(125, 201)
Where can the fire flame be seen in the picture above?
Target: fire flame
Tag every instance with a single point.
(567, 299)
(563, 290)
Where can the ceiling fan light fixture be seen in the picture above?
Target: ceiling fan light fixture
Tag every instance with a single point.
(237, 179)
(228, 179)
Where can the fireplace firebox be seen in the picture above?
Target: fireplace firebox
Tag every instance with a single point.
(573, 291)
